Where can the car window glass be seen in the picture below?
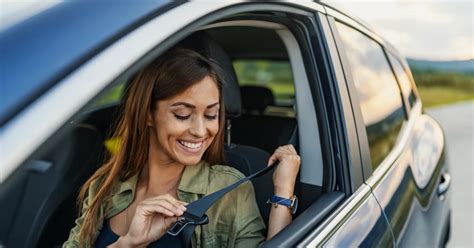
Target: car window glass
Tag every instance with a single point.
(403, 80)
(377, 90)
(275, 76)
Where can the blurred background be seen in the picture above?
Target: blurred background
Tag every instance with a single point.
(437, 37)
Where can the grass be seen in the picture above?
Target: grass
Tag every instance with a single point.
(441, 95)
(438, 88)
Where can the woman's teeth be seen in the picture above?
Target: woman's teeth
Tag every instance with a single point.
(191, 145)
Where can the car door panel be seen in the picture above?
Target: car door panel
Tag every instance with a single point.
(357, 222)
(365, 226)
(408, 191)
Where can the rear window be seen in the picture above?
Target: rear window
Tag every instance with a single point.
(275, 76)
(377, 89)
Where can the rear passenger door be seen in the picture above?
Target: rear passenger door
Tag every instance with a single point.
(401, 149)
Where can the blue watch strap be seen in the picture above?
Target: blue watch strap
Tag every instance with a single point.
(280, 201)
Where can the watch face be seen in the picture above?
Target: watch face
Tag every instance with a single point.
(295, 206)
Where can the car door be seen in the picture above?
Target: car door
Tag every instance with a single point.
(419, 209)
(402, 149)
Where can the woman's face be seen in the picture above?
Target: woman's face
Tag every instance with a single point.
(185, 125)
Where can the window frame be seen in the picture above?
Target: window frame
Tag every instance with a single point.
(406, 98)
(394, 82)
(371, 177)
(368, 170)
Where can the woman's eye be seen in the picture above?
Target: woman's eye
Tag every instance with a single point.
(211, 117)
(182, 117)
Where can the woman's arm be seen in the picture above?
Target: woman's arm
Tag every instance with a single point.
(284, 178)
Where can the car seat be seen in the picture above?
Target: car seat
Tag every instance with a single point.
(254, 127)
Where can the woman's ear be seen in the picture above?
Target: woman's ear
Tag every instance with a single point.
(149, 119)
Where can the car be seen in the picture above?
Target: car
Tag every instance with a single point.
(374, 168)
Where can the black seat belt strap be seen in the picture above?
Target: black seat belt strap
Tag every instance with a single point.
(195, 213)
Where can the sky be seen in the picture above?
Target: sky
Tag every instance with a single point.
(421, 29)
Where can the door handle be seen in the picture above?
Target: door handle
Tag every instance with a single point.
(39, 166)
(444, 184)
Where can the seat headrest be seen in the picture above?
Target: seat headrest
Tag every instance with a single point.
(203, 44)
(256, 98)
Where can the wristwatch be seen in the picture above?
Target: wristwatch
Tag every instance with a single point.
(291, 203)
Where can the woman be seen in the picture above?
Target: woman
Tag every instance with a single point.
(171, 152)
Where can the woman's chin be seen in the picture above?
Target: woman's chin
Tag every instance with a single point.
(190, 162)
(187, 159)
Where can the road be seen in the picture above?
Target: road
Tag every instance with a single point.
(458, 123)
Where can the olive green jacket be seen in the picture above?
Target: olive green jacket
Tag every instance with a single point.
(234, 220)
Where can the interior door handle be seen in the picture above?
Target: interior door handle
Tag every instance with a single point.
(39, 166)
(444, 184)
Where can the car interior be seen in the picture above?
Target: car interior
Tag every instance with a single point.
(259, 119)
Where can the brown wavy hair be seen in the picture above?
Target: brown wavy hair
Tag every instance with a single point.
(170, 74)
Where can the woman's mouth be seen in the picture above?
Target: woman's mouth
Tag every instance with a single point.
(191, 146)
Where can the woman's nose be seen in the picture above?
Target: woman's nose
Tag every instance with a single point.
(198, 128)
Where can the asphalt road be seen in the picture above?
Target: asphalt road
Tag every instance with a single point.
(458, 123)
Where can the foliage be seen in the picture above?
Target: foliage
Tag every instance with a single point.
(443, 87)
(275, 75)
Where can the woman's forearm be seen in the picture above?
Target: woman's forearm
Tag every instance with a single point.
(280, 216)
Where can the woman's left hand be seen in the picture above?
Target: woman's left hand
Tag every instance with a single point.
(284, 176)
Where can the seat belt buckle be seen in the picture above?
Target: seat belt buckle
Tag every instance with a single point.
(185, 220)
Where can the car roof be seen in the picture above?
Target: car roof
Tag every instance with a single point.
(41, 50)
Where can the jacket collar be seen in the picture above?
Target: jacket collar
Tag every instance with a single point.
(195, 179)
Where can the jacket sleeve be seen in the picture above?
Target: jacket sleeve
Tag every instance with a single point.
(73, 240)
(249, 223)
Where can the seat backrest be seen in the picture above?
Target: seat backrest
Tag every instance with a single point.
(249, 160)
(254, 127)
(255, 99)
(265, 132)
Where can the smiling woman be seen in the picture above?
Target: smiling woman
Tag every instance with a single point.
(190, 126)
(170, 152)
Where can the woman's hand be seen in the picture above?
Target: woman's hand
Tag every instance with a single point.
(151, 220)
(284, 176)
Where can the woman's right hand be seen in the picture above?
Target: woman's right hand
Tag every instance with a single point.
(152, 218)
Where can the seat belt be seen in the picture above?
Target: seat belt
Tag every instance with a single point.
(196, 211)
(181, 232)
